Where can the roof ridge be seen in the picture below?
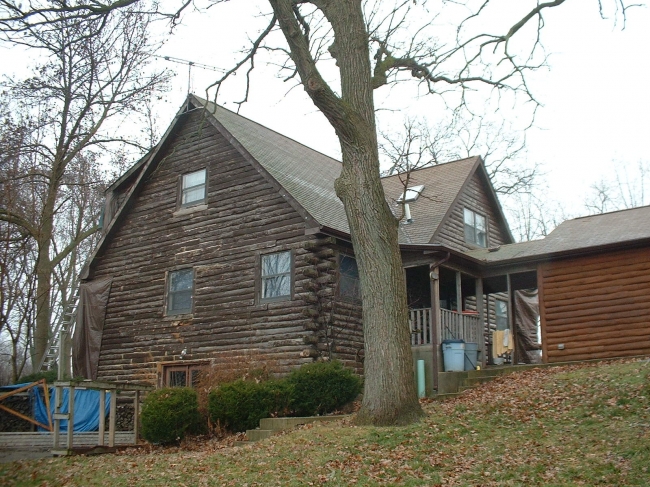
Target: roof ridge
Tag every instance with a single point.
(264, 127)
(440, 164)
(607, 213)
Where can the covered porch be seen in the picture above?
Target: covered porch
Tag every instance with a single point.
(448, 301)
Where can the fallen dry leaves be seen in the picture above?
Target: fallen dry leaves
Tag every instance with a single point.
(585, 424)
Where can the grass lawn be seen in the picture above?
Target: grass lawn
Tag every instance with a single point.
(574, 425)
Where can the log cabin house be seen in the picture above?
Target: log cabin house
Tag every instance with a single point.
(228, 238)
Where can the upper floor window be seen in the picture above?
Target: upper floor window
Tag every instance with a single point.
(180, 288)
(349, 278)
(193, 188)
(276, 276)
(475, 228)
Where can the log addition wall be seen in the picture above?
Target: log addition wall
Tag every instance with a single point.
(244, 217)
(596, 307)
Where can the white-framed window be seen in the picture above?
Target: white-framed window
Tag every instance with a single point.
(180, 290)
(412, 193)
(193, 188)
(475, 228)
(349, 286)
(501, 313)
(275, 276)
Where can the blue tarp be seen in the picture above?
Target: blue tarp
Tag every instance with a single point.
(86, 407)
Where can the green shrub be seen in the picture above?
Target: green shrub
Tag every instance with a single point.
(239, 405)
(322, 387)
(168, 414)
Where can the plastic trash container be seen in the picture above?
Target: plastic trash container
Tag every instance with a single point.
(453, 354)
(471, 355)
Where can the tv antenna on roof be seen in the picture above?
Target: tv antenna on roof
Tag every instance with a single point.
(190, 65)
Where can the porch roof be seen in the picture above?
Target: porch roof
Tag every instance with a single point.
(588, 234)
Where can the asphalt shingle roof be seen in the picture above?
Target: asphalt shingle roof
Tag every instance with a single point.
(306, 174)
(442, 184)
(309, 177)
(583, 233)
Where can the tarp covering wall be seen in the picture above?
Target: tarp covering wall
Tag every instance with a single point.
(86, 409)
(91, 314)
(526, 317)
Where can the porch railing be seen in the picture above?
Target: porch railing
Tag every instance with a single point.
(459, 326)
(454, 325)
(420, 321)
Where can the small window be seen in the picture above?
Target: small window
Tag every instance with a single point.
(181, 375)
(180, 287)
(276, 276)
(475, 228)
(349, 286)
(411, 194)
(193, 188)
(501, 312)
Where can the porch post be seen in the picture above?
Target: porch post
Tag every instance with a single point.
(511, 320)
(459, 292)
(436, 330)
(480, 307)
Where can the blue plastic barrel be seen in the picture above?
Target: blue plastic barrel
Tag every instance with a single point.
(453, 354)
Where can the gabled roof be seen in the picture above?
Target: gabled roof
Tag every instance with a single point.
(580, 235)
(306, 177)
(442, 185)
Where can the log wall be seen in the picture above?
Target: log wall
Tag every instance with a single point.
(597, 307)
(474, 197)
(245, 217)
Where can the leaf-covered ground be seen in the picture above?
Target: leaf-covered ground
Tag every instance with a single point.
(573, 425)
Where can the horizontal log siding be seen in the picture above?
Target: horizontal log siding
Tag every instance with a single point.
(245, 217)
(596, 306)
(474, 197)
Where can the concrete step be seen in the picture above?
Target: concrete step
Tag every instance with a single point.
(474, 381)
(464, 388)
(442, 397)
(258, 434)
(281, 424)
(270, 426)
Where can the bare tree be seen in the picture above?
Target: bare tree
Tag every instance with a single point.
(362, 47)
(417, 145)
(629, 188)
(94, 78)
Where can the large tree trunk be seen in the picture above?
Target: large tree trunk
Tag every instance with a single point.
(43, 283)
(390, 395)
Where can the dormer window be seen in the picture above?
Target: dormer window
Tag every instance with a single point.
(475, 228)
(411, 194)
(193, 188)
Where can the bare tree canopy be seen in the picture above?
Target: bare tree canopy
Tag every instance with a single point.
(92, 79)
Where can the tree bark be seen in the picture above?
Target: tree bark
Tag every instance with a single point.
(390, 395)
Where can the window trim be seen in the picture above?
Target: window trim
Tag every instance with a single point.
(182, 190)
(168, 281)
(259, 278)
(474, 227)
(165, 368)
(342, 296)
(411, 193)
(497, 316)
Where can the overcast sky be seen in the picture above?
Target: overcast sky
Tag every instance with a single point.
(595, 96)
